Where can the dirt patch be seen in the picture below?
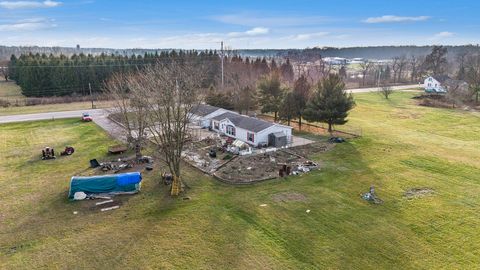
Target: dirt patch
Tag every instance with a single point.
(418, 193)
(442, 101)
(311, 149)
(289, 197)
(254, 168)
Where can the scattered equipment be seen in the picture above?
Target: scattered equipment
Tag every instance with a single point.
(212, 153)
(117, 149)
(336, 140)
(94, 163)
(48, 153)
(125, 183)
(167, 178)
(371, 197)
(68, 151)
(86, 117)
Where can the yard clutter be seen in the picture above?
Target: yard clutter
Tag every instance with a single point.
(48, 153)
(117, 149)
(126, 183)
(69, 150)
(371, 196)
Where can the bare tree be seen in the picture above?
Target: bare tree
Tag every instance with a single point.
(169, 92)
(365, 68)
(386, 91)
(402, 64)
(415, 72)
(395, 68)
(472, 67)
(5, 71)
(128, 108)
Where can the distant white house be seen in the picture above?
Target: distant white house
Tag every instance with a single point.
(435, 84)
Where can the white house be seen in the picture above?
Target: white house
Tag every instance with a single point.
(434, 84)
(253, 131)
(202, 114)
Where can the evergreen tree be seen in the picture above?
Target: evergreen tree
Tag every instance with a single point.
(330, 103)
(271, 93)
(301, 94)
(288, 108)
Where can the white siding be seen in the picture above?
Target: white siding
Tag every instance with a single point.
(205, 121)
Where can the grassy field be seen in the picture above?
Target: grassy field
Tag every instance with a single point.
(224, 227)
(12, 92)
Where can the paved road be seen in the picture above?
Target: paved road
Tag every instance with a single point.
(376, 89)
(49, 115)
(99, 117)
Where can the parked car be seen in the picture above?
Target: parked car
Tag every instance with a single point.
(86, 117)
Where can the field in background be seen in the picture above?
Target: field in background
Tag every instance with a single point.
(403, 146)
(11, 93)
(9, 90)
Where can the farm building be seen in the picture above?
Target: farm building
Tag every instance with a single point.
(251, 130)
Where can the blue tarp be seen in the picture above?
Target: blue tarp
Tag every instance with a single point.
(116, 183)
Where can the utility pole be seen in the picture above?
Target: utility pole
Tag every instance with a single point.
(221, 53)
(91, 96)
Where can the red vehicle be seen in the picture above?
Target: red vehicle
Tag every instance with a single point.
(86, 117)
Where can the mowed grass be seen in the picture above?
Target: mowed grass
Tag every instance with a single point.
(11, 92)
(224, 227)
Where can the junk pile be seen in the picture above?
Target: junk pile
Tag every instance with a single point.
(48, 153)
(238, 147)
(167, 178)
(69, 150)
(336, 140)
(371, 197)
(83, 187)
(304, 167)
(122, 164)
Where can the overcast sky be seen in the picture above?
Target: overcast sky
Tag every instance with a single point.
(241, 24)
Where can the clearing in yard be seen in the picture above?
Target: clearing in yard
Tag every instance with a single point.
(316, 220)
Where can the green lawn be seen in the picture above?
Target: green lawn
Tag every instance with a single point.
(11, 92)
(224, 227)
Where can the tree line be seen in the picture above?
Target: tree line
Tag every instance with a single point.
(42, 75)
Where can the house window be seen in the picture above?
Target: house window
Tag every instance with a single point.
(231, 130)
(215, 125)
(250, 137)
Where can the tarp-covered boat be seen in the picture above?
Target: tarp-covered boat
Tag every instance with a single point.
(106, 184)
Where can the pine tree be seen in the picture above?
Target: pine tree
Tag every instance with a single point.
(271, 93)
(330, 103)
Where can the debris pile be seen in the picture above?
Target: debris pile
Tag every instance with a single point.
(371, 196)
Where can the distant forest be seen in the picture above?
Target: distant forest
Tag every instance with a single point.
(42, 75)
(379, 52)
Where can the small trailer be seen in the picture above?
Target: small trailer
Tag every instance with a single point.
(117, 149)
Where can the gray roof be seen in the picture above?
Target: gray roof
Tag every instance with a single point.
(245, 122)
(204, 109)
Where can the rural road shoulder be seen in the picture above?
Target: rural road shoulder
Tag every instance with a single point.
(376, 89)
(100, 117)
